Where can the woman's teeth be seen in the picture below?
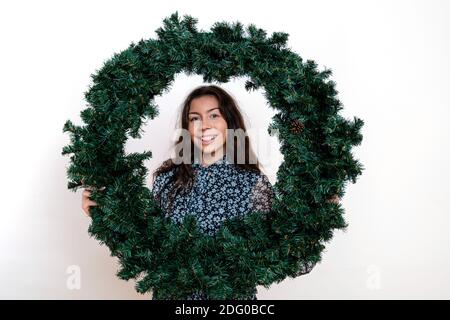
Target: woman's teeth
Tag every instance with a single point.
(207, 139)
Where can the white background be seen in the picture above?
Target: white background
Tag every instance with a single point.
(390, 60)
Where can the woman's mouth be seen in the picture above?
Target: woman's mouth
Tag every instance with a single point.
(208, 139)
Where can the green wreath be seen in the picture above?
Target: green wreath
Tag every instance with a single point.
(259, 249)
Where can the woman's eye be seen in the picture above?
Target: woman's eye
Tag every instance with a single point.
(214, 115)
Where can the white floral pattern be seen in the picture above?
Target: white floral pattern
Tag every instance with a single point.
(220, 191)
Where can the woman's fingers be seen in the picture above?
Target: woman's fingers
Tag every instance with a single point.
(86, 206)
(334, 199)
(87, 202)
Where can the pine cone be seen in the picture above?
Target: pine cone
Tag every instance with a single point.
(297, 126)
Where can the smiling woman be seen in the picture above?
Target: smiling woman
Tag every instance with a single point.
(209, 111)
(207, 126)
(212, 187)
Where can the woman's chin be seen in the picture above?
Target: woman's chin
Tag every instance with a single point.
(208, 149)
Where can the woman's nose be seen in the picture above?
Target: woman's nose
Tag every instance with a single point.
(206, 124)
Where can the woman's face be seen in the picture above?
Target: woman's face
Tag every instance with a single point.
(207, 126)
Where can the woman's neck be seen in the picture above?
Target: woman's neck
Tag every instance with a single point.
(209, 159)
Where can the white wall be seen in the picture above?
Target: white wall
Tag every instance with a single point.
(390, 60)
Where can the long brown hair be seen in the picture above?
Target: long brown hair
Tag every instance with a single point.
(184, 175)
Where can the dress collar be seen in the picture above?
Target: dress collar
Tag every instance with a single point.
(223, 161)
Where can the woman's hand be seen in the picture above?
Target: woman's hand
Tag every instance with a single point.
(334, 199)
(86, 202)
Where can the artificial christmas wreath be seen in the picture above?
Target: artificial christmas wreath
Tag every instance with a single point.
(258, 249)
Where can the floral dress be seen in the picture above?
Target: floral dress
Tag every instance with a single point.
(220, 191)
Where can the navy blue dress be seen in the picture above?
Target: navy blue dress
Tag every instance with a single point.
(220, 191)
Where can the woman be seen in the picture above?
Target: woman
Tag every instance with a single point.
(218, 177)
(217, 180)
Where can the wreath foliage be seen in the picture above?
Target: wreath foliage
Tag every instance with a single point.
(258, 249)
